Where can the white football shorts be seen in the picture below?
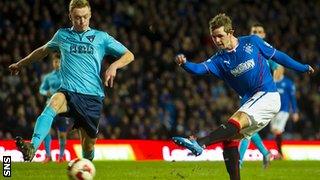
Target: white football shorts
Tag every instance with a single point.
(261, 108)
(279, 121)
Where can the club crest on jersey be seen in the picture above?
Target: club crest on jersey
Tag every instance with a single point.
(248, 48)
(91, 38)
(242, 68)
(226, 62)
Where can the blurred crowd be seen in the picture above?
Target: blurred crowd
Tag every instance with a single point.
(153, 98)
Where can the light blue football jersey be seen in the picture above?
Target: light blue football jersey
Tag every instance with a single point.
(81, 58)
(273, 65)
(51, 83)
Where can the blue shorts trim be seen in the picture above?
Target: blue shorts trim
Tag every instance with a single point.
(258, 99)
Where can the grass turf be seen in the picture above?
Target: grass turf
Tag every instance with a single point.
(172, 170)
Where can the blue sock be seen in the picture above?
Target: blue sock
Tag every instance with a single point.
(42, 127)
(244, 144)
(256, 139)
(47, 145)
(88, 155)
(62, 144)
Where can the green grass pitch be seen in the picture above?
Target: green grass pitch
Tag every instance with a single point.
(305, 170)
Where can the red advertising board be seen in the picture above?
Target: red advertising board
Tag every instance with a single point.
(139, 150)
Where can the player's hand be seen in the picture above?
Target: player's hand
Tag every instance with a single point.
(180, 59)
(311, 70)
(295, 117)
(15, 68)
(109, 75)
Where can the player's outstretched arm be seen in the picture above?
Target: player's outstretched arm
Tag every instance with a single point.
(111, 72)
(193, 68)
(36, 55)
(288, 62)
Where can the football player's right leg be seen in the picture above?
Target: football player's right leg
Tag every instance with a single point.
(57, 104)
(227, 131)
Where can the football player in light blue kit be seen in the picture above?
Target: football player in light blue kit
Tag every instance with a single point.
(81, 93)
(258, 30)
(242, 64)
(50, 84)
(287, 91)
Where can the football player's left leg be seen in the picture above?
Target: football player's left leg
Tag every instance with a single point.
(231, 158)
(256, 139)
(62, 143)
(87, 145)
(244, 144)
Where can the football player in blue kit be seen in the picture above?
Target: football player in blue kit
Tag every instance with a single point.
(242, 63)
(258, 30)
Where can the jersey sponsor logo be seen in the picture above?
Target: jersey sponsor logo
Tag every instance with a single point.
(242, 68)
(248, 48)
(81, 49)
(71, 39)
(91, 38)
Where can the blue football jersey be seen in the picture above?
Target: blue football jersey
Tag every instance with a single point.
(244, 69)
(81, 58)
(51, 83)
(287, 91)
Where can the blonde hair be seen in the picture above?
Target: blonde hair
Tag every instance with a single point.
(219, 21)
(78, 4)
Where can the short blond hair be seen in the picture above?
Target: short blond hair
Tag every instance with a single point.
(78, 4)
(219, 21)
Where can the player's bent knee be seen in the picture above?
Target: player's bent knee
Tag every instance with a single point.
(241, 117)
(276, 131)
(58, 102)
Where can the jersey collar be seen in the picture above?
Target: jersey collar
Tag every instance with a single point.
(234, 49)
(72, 29)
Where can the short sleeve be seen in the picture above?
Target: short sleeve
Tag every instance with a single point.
(53, 44)
(114, 47)
(267, 50)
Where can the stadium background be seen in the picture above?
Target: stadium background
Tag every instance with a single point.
(153, 98)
